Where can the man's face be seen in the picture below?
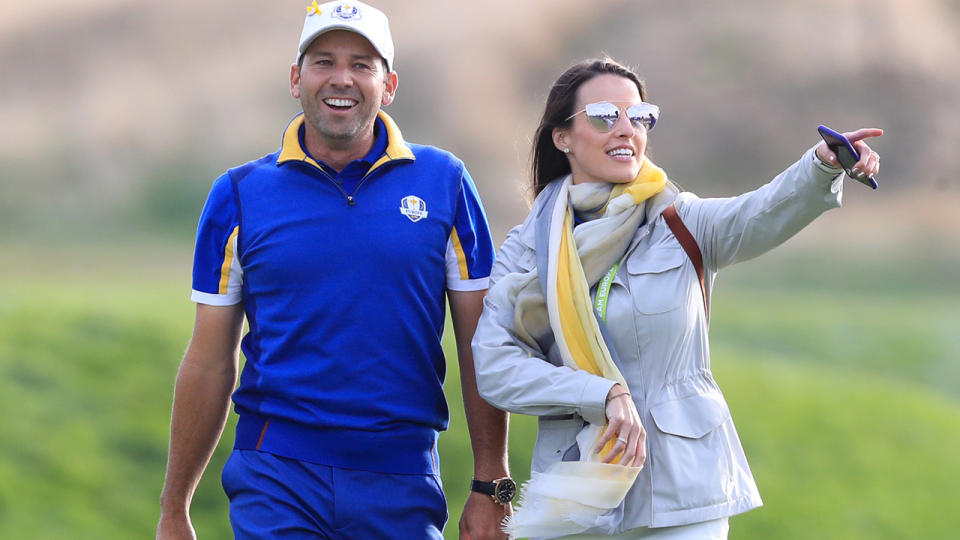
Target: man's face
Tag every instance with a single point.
(342, 84)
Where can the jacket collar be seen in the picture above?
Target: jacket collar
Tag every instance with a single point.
(397, 149)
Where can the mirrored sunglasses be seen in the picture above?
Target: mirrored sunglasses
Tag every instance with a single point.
(603, 115)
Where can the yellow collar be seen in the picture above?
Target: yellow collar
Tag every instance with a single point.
(292, 151)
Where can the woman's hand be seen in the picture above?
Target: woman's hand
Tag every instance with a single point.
(624, 428)
(869, 164)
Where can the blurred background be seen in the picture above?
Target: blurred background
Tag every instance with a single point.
(839, 352)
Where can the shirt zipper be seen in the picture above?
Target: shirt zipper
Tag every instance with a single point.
(351, 199)
(348, 196)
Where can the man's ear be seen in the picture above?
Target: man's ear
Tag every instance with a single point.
(390, 82)
(295, 81)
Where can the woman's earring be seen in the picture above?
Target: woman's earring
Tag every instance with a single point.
(566, 150)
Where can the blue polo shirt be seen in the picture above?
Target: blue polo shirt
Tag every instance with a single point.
(344, 293)
(351, 175)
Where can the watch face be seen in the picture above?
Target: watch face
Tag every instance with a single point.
(506, 490)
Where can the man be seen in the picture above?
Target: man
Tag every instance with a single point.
(338, 249)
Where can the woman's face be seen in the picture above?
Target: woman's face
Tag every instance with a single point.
(615, 156)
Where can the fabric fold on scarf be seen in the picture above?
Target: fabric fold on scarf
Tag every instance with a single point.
(576, 496)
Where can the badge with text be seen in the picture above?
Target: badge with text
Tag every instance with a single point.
(413, 207)
(346, 12)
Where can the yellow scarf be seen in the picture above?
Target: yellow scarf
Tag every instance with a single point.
(570, 497)
(579, 326)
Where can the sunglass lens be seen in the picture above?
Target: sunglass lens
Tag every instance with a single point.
(602, 116)
(602, 124)
(644, 122)
(643, 114)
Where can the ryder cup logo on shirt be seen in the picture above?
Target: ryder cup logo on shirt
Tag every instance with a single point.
(413, 207)
(346, 12)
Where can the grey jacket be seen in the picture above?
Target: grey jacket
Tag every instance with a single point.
(695, 469)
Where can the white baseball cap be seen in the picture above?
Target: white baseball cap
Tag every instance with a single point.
(358, 17)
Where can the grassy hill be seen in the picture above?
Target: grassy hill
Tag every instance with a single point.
(848, 404)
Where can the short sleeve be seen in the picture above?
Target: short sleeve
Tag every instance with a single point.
(470, 247)
(217, 275)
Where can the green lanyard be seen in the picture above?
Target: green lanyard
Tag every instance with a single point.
(603, 292)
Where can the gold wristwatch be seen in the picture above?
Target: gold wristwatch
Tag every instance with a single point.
(502, 490)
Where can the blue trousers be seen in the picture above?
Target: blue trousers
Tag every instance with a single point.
(272, 497)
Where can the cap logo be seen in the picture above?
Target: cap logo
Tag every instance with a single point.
(313, 9)
(346, 12)
(413, 207)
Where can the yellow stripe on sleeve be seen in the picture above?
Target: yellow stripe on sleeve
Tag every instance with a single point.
(227, 261)
(461, 256)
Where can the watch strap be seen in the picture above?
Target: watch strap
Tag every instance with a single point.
(501, 490)
(486, 488)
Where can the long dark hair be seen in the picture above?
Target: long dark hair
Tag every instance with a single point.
(548, 163)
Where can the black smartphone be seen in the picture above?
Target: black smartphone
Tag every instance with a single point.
(846, 154)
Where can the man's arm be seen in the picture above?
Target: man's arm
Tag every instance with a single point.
(487, 425)
(201, 403)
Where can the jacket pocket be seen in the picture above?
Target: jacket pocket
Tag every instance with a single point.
(692, 416)
(554, 439)
(655, 279)
(692, 446)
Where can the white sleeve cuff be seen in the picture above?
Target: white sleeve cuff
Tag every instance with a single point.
(835, 173)
(468, 284)
(594, 399)
(216, 299)
(825, 167)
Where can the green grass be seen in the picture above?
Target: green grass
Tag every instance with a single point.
(843, 454)
(907, 338)
(847, 400)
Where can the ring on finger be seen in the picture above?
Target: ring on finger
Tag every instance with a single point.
(621, 439)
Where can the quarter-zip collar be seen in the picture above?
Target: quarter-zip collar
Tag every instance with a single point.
(291, 150)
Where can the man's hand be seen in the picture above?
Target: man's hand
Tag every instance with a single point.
(488, 426)
(175, 528)
(201, 403)
(481, 518)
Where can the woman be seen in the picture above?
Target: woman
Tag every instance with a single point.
(597, 321)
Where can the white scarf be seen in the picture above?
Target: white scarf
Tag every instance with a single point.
(574, 496)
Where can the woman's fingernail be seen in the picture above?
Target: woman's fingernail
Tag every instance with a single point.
(855, 171)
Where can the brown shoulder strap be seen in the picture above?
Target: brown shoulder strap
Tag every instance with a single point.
(689, 245)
